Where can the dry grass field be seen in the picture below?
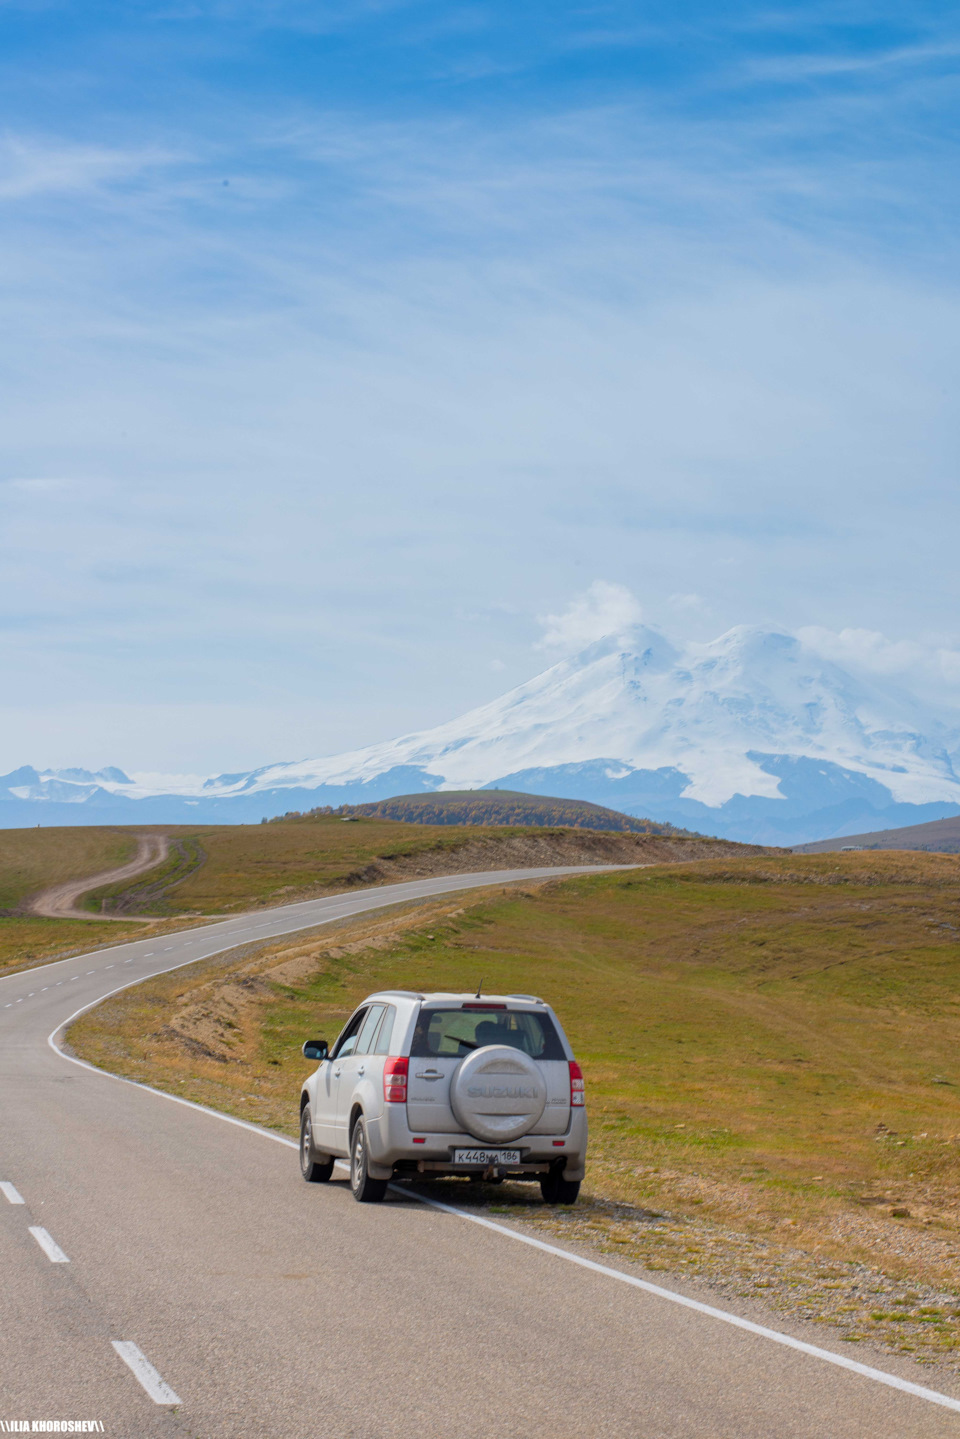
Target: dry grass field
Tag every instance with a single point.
(218, 870)
(770, 1047)
(248, 865)
(32, 859)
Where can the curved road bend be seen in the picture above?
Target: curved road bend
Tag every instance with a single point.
(272, 1308)
(59, 902)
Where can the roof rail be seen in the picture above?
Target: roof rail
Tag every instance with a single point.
(400, 993)
(533, 998)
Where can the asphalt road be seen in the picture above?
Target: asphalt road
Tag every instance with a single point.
(268, 1307)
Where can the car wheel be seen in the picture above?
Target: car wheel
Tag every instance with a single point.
(313, 1169)
(557, 1190)
(365, 1189)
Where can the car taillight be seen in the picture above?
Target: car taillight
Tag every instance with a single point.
(395, 1081)
(576, 1084)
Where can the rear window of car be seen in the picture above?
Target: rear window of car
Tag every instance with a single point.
(456, 1032)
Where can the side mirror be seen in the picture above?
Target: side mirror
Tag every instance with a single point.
(316, 1049)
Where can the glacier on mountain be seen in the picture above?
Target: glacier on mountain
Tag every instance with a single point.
(754, 735)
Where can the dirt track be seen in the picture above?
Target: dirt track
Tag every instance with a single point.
(59, 901)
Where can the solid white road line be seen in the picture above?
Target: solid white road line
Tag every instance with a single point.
(880, 1375)
(49, 1246)
(10, 1192)
(158, 1389)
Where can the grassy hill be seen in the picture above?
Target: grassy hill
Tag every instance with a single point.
(502, 807)
(220, 869)
(941, 836)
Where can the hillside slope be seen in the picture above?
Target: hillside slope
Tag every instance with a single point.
(281, 862)
(942, 836)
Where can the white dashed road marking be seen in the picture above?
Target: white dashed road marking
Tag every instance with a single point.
(49, 1246)
(158, 1389)
(10, 1192)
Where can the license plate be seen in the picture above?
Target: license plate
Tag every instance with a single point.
(486, 1156)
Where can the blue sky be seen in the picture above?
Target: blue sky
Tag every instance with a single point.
(347, 347)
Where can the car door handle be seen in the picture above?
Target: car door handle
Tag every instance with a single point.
(359, 1068)
(336, 1074)
(429, 1074)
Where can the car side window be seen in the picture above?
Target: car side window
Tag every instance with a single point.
(369, 1029)
(381, 1044)
(347, 1042)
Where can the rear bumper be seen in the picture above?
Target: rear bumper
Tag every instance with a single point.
(391, 1145)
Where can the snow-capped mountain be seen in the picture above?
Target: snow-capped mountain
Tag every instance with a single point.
(753, 736)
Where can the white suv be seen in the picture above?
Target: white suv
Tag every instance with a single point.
(421, 1085)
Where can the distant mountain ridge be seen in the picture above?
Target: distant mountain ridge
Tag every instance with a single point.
(754, 736)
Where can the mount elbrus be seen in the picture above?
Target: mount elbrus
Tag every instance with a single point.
(754, 736)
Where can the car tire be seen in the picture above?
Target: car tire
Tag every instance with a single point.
(557, 1190)
(314, 1169)
(365, 1190)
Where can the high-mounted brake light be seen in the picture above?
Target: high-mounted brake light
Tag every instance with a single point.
(576, 1084)
(395, 1081)
(483, 1004)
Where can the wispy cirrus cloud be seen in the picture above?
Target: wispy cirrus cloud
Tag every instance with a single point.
(32, 166)
(40, 484)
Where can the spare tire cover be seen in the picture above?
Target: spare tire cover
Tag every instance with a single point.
(498, 1093)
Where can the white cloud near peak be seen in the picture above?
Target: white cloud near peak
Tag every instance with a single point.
(603, 609)
(925, 668)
